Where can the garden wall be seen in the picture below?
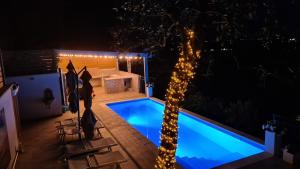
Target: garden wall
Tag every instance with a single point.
(9, 143)
(32, 102)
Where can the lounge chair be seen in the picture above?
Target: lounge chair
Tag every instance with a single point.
(67, 122)
(88, 146)
(69, 131)
(110, 159)
(74, 122)
(71, 128)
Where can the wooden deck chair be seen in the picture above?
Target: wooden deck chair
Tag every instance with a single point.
(95, 161)
(67, 122)
(74, 122)
(72, 130)
(88, 146)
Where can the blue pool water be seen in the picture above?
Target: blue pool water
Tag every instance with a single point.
(201, 145)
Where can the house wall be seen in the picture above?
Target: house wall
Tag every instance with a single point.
(80, 62)
(1, 79)
(6, 102)
(1, 74)
(31, 95)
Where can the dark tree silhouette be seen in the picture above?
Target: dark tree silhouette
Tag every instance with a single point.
(182, 28)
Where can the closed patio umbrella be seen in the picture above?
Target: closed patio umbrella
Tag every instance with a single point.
(71, 79)
(88, 119)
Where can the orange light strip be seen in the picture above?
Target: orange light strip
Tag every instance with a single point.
(98, 56)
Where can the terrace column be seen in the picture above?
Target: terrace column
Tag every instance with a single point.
(146, 70)
(148, 88)
(129, 65)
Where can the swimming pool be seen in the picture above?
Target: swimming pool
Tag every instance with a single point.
(201, 145)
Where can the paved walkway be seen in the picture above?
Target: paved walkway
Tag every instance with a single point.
(42, 150)
(40, 144)
(270, 163)
(141, 150)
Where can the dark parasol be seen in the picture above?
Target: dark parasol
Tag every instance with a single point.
(72, 81)
(88, 119)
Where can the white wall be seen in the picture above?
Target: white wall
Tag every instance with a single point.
(31, 94)
(6, 102)
(135, 83)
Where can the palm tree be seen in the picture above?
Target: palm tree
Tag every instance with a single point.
(182, 75)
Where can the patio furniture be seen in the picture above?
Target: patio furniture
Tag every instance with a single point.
(65, 131)
(110, 159)
(70, 128)
(67, 122)
(88, 146)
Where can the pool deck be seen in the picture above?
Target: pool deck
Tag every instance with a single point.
(42, 150)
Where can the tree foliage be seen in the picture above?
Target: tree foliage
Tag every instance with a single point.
(157, 26)
(149, 25)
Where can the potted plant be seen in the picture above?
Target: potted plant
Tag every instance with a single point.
(291, 152)
(273, 137)
(287, 155)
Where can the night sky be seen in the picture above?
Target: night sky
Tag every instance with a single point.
(77, 25)
(56, 24)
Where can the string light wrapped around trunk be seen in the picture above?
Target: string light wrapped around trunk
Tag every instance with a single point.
(184, 72)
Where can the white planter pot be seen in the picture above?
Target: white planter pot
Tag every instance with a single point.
(149, 91)
(273, 142)
(270, 141)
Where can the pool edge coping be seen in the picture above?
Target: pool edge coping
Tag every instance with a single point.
(177, 165)
(237, 163)
(248, 136)
(230, 165)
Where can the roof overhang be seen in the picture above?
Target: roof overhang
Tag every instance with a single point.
(105, 54)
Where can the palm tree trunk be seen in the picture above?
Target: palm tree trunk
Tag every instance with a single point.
(181, 77)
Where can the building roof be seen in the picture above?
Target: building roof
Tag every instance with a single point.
(100, 53)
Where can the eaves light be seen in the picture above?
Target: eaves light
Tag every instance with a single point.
(97, 56)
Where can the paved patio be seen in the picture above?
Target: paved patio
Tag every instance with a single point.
(41, 146)
(42, 150)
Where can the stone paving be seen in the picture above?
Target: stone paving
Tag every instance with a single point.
(43, 151)
(141, 150)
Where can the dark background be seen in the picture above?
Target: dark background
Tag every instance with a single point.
(235, 96)
(79, 24)
(56, 24)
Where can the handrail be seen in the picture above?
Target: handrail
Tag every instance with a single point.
(15, 160)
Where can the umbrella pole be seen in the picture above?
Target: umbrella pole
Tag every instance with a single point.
(78, 101)
(78, 114)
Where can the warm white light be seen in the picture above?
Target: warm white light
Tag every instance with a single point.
(97, 56)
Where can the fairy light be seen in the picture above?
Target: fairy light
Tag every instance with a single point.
(97, 56)
(184, 72)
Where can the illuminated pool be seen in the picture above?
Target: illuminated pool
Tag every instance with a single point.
(201, 145)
